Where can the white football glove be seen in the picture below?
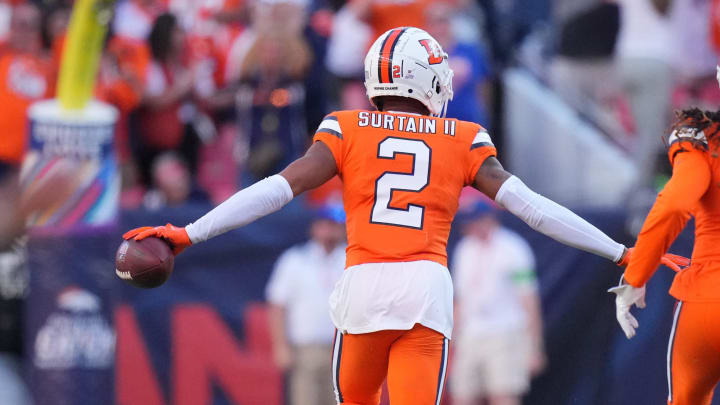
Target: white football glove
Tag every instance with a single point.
(627, 296)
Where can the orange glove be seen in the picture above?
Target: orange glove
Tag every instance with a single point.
(675, 262)
(176, 237)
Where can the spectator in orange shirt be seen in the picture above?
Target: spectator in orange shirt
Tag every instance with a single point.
(357, 23)
(26, 76)
(383, 15)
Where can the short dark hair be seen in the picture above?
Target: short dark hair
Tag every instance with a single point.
(714, 116)
(694, 115)
(706, 121)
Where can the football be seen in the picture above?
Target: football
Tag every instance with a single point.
(146, 263)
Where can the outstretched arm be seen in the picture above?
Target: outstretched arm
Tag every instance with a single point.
(266, 196)
(669, 214)
(542, 214)
(251, 203)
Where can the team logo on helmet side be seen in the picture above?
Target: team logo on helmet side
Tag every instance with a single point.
(435, 53)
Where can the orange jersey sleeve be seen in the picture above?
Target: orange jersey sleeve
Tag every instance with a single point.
(402, 176)
(671, 210)
(481, 148)
(330, 134)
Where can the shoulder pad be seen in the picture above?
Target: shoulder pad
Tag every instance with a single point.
(690, 134)
(482, 138)
(331, 125)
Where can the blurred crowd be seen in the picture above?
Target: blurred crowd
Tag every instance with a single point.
(626, 65)
(215, 94)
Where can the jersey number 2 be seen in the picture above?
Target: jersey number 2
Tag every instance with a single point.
(388, 182)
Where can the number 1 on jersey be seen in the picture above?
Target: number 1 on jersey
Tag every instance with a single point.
(416, 181)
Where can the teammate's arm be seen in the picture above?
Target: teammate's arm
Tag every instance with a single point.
(669, 214)
(251, 203)
(542, 214)
(552, 219)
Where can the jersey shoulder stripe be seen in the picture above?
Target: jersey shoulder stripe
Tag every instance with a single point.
(482, 138)
(331, 126)
(386, 53)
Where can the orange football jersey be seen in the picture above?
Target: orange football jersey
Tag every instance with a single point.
(696, 176)
(402, 176)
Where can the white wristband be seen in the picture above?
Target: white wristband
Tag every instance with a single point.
(262, 198)
(555, 221)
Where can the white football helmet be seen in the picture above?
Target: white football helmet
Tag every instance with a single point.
(408, 62)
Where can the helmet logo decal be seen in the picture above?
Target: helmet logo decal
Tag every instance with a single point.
(434, 54)
(386, 54)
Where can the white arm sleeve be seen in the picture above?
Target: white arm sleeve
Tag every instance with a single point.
(555, 221)
(262, 198)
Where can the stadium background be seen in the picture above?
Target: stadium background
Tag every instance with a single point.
(234, 93)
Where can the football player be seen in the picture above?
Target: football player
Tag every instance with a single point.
(693, 358)
(402, 167)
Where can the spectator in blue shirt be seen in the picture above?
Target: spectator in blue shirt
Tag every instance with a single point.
(469, 63)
